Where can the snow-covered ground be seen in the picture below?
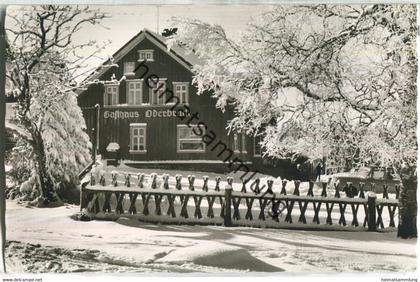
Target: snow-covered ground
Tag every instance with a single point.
(48, 240)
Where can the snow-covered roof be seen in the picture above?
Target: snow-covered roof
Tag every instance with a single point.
(186, 59)
(190, 57)
(17, 129)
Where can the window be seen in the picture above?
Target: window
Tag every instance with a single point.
(236, 144)
(239, 143)
(134, 92)
(111, 94)
(146, 55)
(188, 141)
(257, 146)
(157, 95)
(244, 151)
(181, 91)
(129, 68)
(138, 137)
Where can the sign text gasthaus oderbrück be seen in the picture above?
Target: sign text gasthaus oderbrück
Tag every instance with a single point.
(147, 114)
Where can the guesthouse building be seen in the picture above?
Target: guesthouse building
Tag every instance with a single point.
(143, 108)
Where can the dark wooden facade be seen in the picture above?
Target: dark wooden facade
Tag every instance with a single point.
(161, 125)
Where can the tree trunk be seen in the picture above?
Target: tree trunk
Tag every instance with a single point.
(45, 182)
(407, 206)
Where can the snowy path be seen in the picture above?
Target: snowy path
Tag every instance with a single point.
(131, 246)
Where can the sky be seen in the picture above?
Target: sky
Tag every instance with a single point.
(126, 21)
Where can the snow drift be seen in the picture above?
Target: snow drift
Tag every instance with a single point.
(219, 255)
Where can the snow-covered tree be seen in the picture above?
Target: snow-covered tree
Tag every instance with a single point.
(43, 59)
(336, 81)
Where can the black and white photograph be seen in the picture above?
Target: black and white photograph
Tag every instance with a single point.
(208, 139)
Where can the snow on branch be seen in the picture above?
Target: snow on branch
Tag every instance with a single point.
(319, 80)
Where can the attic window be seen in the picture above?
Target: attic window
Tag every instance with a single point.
(146, 55)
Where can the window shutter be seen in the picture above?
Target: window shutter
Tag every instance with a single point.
(105, 96)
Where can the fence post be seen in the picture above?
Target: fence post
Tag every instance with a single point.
(243, 190)
(165, 184)
(140, 178)
(397, 191)
(217, 187)
(127, 180)
(191, 179)
(283, 187)
(92, 179)
(102, 178)
(153, 185)
(205, 185)
(83, 196)
(362, 190)
(114, 179)
(337, 190)
(296, 191)
(227, 220)
(385, 192)
(311, 188)
(229, 180)
(178, 185)
(371, 211)
(324, 189)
